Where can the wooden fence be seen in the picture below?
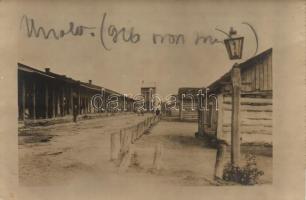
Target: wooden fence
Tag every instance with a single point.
(122, 140)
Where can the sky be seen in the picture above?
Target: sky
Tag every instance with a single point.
(127, 64)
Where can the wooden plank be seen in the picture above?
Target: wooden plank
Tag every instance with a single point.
(256, 115)
(247, 116)
(228, 100)
(256, 122)
(249, 128)
(249, 132)
(250, 108)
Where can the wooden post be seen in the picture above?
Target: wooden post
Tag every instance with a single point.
(46, 102)
(126, 159)
(58, 104)
(79, 101)
(53, 103)
(235, 132)
(23, 99)
(157, 157)
(87, 104)
(204, 120)
(219, 166)
(63, 102)
(199, 122)
(114, 153)
(34, 100)
(220, 116)
(181, 110)
(71, 102)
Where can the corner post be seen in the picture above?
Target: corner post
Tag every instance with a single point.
(235, 128)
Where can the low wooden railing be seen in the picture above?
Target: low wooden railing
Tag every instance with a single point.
(122, 140)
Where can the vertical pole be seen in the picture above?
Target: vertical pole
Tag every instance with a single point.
(181, 110)
(199, 121)
(235, 132)
(79, 100)
(157, 157)
(71, 102)
(34, 100)
(204, 120)
(114, 154)
(58, 104)
(46, 102)
(219, 165)
(87, 104)
(23, 99)
(63, 102)
(53, 103)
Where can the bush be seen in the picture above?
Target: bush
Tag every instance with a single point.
(246, 175)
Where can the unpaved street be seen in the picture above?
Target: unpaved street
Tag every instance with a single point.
(65, 153)
(186, 160)
(58, 153)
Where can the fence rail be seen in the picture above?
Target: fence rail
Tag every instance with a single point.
(122, 140)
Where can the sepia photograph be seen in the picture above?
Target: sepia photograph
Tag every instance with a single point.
(183, 128)
(133, 100)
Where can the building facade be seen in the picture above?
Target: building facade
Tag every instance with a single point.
(148, 93)
(45, 94)
(255, 102)
(188, 103)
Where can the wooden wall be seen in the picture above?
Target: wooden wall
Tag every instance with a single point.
(259, 76)
(256, 118)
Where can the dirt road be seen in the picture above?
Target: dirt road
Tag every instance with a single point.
(186, 160)
(58, 153)
(66, 154)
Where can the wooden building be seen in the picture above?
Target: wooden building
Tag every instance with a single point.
(188, 103)
(254, 108)
(45, 94)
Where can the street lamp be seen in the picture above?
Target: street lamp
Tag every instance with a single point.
(234, 45)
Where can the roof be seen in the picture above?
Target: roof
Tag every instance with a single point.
(28, 69)
(53, 75)
(225, 78)
(50, 74)
(188, 91)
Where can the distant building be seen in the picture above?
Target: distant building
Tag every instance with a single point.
(148, 94)
(45, 94)
(188, 103)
